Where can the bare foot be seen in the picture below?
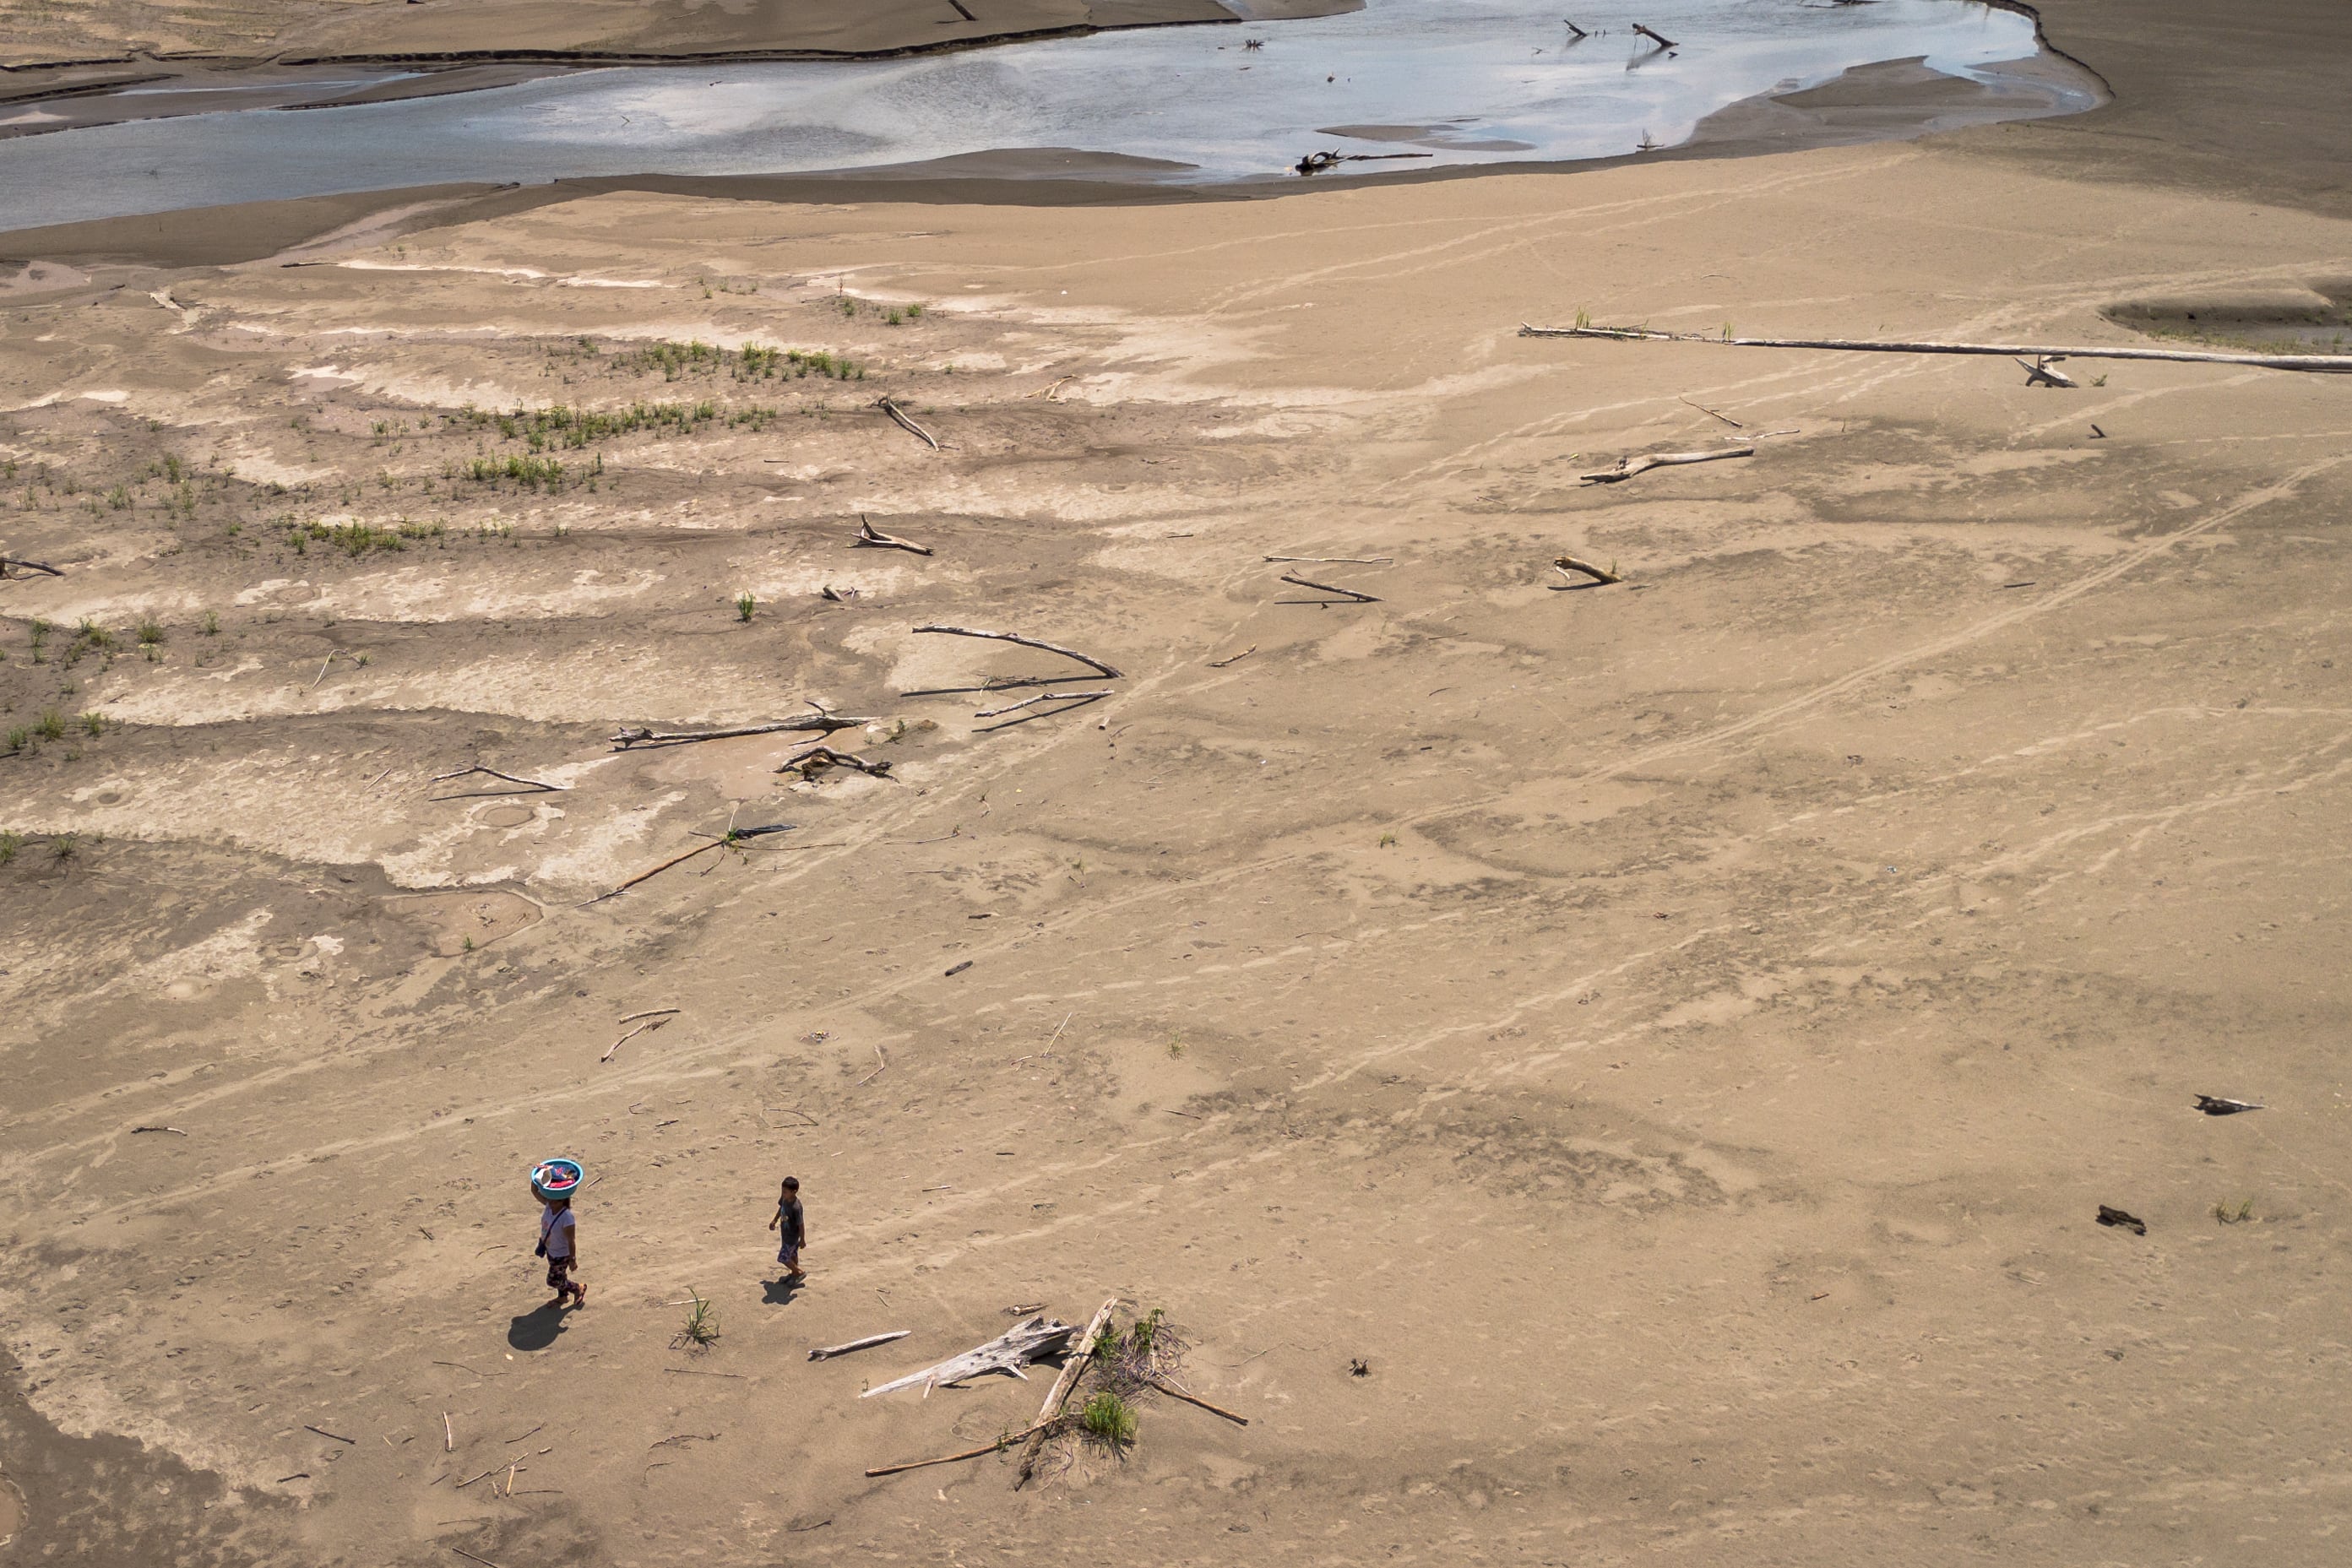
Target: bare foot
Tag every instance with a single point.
(583, 1295)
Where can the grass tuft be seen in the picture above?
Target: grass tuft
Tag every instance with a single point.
(1109, 1419)
(700, 1330)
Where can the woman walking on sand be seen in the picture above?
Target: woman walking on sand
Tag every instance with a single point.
(792, 1228)
(554, 1184)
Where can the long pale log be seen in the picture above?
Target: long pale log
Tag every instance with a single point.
(1629, 466)
(1082, 1350)
(2323, 363)
(1088, 661)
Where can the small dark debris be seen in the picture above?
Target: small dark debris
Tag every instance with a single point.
(1358, 1367)
(2214, 1105)
(2116, 1217)
(959, 968)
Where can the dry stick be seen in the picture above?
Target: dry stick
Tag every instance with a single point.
(449, 1433)
(8, 563)
(998, 1446)
(1329, 588)
(477, 768)
(485, 1561)
(158, 1130)
(649, 1012)
(1629, 466)
(872, 538)
(889, 406)
(1041, 697)
(1710, 412)
(690, 1372)
(1658, 38)
(1175, 1392)
(825, 722)
(650, 1023)
(2336, 363)
(323, 671)
(1338, 560)
(1569, 563)
(461, 1486)
(1572, 28)
(828, 1351)
(1088, 661)
(533, 1432)
(324, 1433)
(877, 1072)
(1237, 658)
(1082, 1350)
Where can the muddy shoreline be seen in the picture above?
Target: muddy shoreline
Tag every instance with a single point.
(1892, 100)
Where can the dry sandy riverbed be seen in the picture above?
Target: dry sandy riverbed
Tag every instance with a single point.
(1676, 1036)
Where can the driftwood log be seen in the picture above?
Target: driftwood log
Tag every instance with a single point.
(1082, 1350)
(2042, 372)
(11, 564)
(891, 406)
(826, 1352)
(1030, 1340)
(1656, 37)
(2324, 364)
(822, 722)
(1568, 563)
(1087, 660)
(871, 537)
(1629, 466)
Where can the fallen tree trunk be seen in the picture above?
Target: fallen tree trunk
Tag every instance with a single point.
(1568, 563)
(10, 563)
(2323, 363)
(889, 406)
(872, 538)
(1030, 1340)
(1629, 466)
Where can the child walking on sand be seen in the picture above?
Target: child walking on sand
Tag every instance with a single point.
(792, 1228)
(559, 1231)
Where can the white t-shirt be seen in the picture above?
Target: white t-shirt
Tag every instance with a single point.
(555, 1229)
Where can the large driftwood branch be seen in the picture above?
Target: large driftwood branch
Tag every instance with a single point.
(1082, 1350)
(10, 563)
(823, 723)
(1629, 466)
(1033, 1339)
(2327, 363)
(889, 406)
(2040, 373)
(1349, 593)
(1568, 563)
(1658, 38)
(1087, 660)
(871, 537)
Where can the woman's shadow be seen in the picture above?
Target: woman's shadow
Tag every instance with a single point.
(537, 1329)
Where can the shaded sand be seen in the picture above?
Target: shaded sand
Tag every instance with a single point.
(1675, 1037)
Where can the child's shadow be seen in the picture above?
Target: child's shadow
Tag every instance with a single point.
(535, 1330)
(780, 1293)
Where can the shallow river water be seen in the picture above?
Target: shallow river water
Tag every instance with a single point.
(1463, 80)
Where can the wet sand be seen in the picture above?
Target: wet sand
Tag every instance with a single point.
(1675, 1035)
